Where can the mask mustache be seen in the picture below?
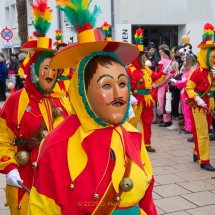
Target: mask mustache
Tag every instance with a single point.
(116, 100)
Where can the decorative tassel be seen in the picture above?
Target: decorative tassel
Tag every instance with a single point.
(138, 36)
(42, 17)
(78, 14)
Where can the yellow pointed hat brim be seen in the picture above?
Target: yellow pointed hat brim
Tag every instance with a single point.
(70, 56)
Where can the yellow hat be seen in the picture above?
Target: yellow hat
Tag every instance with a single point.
(42, 17)
(89, 40)
(207, 37)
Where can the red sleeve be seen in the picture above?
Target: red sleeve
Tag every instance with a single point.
(147, 203)
(133, 81)
(155, 76)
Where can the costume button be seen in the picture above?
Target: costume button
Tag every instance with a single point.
(6, 204)
(71, 186)
(117, 199)
(20, 135)
(95, 196)
(17, 127)
(149, 180)
(143, 162)
(18, 208)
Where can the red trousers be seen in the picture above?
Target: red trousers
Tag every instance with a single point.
(145, 115)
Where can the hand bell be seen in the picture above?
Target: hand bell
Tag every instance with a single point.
(22, 157)
(58, 111)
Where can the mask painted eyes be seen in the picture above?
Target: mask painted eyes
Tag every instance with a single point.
(106, 86)
(122, 84)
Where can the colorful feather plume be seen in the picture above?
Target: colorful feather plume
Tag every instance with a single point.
(78, 14)
(58, 34)
(42, 17)
(106, 29)
(138, 36)
(208, 33)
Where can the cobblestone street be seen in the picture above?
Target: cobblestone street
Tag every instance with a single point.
(181, 187)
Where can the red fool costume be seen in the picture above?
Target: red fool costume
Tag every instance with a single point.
(200, 89)
(25, 119)
(94, 154)
(142, 92)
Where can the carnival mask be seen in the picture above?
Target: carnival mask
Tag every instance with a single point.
(47, 76)
(108, 93)
(212, 59)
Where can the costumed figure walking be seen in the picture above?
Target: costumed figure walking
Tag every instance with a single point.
(104, 167)
(200, 91)
(65, 73)
(141, 79)
(30, 114)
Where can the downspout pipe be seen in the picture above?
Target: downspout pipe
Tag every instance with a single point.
(112, 20)
(59, 26)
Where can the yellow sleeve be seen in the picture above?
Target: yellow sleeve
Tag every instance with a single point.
(190, 86)
(7, 149)
(42, 205)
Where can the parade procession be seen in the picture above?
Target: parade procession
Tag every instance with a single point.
(104, 124)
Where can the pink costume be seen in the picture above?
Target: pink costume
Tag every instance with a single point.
(185, 108)
(161, 92)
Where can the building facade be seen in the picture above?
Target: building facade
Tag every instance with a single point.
(163, 21)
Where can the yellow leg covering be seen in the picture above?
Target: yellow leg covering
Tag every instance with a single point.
(137, 111)
(12, 200)
(200, 130)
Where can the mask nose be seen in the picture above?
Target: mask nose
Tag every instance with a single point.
(117, 92)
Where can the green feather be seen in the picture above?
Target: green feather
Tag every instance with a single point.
(80, 17)
(41, 26)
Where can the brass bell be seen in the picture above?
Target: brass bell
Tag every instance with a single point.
(43, 134)
(6, 204)
(58, 111)
(20, 135)
(143, 162)
(141, 81)
(117, 199)
(17, 127)
(208, 95)
(22, 157)
(135, 91)
(71, 186)
(34, 165)
(126, 184)
(95, 196)
(18, 208)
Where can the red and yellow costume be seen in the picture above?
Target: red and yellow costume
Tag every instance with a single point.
(202, 83)
(21, 116)
(144, 108)
(93, 154)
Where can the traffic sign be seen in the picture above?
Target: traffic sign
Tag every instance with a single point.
(7, 34)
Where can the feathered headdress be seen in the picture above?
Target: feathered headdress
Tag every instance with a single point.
(78, 14)
(89, 40)
(207, 37)
(42, 17)
(106, 30)
(138, 37)
(58, 37)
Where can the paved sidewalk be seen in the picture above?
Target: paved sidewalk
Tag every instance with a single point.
(181, 187)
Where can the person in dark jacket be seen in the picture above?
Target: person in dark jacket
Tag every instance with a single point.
(3, 71)
(13, 68)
